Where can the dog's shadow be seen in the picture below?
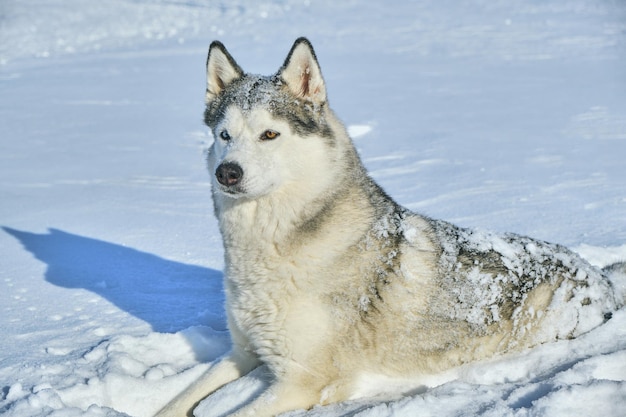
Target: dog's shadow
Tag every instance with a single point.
(168, 295)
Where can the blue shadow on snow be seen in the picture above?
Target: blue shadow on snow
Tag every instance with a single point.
(168, 295)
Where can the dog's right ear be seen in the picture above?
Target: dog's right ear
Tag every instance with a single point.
(221, 70)
(301, 72)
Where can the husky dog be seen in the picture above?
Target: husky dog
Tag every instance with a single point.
(328, 280)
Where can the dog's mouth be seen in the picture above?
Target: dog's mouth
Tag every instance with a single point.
(239, 191)
(234, 191)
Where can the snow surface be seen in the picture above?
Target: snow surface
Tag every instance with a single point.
(505, 115)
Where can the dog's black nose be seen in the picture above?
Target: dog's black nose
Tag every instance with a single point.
(228, 173)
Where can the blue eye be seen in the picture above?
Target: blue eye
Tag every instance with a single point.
(224, 135)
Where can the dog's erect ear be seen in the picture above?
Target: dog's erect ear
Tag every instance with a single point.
(221, 70)
(302, 73)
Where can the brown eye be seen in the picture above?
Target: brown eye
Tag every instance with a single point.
(269, 135)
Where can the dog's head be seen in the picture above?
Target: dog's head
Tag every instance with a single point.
(269, 131)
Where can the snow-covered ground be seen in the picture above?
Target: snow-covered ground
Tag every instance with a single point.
(507, 115)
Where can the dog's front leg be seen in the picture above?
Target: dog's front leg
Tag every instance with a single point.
(281, 397)
(230, 367)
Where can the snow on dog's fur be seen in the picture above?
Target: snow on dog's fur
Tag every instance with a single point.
(328, 280)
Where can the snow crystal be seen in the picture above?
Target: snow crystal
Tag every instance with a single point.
(364, 303)
(356, 131)
(490, 274)
(16, 391)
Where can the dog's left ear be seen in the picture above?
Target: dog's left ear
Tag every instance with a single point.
(301, 72)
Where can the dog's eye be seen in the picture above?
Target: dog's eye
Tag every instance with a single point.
(269, 135)
(224, 135)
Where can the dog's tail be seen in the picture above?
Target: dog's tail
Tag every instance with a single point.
(616, 273)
